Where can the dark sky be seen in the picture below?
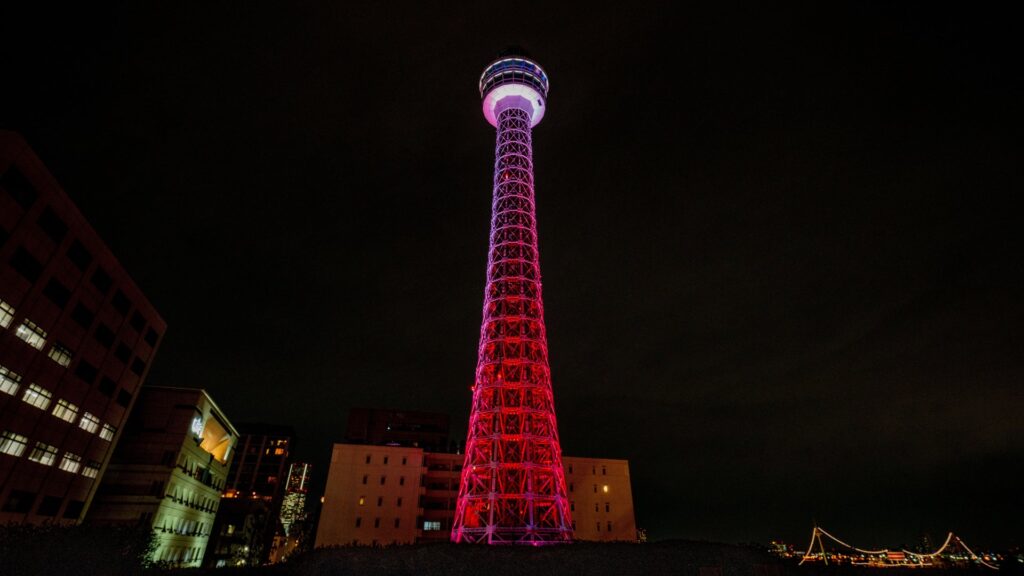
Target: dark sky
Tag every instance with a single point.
(782, 264)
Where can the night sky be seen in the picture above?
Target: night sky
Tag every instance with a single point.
(782, 261)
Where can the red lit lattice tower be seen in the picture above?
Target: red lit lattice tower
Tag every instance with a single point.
(513, 486)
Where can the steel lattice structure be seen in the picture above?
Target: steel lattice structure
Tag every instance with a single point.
(512, 488)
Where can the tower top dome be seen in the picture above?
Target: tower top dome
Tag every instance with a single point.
(514, 80)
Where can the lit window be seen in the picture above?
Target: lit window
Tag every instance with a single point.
(13, 444)
(65, 411)
(36, 396)
(6, 314)
(89, 423)
(605, 488)
(9, 381)
(60, 355)
(29, 332)
(70, 463)
(107, 433)
(91, 469)
(44, 454)
(362, 500)
(431, 524)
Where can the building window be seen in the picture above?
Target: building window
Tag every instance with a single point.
(65, 410)
(380, 501)
(79, 256)
(91, 469)
(385, 460)
(404, 460)
(605, 488)
(107, 433)
(362, 500)
(70, 463)
(396, 522)
(83, 316)
(365, 478)
(383, 479)
(6, 314)
(151, 337)
(49, 506)
(26, 265)
(609, 526)
(368, 457)
(123, 353)
(19, 501)
(431, 525)
(86, 371)
(54, 227)
(74, 509)
(399, 502)
(401, 480)
(376, 522)
(9, 381)
(572, 506)
(101, 281)
(598, 526)
(121, 303)
(137, 322)
(44, 454)
(57, 293)
(571, 487)
(607, 507)
(104, 335)
(32, 334)
(595, 488)
(61, 355)
(570, 468)
(89, 423)
(604, 471)
(13, 444)
(124, 398)
(107, 387)
(597, 507)
(138, 367)
(38, 397)
(359, 522)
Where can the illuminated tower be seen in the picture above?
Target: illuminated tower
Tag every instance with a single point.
(513, 487)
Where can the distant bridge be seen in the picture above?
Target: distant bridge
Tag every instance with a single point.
(952, 551)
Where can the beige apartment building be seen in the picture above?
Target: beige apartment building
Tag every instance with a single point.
(379, 495)
(168, 472)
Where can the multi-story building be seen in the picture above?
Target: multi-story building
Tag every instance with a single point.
(77, 337)
(248, 520)
(294, 518)
(168, 472)
(427, 430)
(401, 495)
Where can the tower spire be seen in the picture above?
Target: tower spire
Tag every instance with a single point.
(512, 488)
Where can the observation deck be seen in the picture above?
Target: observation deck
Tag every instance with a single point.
(514, 81)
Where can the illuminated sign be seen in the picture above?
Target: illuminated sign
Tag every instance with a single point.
(197, 425)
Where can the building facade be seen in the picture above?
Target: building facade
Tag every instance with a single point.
(77, 338)
(168, 472)
(379, 495)
(248, 520)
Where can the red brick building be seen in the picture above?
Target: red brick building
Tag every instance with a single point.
(77, 338)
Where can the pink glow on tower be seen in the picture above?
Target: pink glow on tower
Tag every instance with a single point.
(513, 486)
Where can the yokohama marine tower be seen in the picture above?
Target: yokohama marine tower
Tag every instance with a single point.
(512, 488)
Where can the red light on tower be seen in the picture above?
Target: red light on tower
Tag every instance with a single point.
(513, 487)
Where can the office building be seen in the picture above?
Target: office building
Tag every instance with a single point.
(378, 495)
(77, 338)
(168, 472)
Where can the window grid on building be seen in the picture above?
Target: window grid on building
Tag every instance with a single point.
(107, 433)
(6, 314)
(70, 462)
(65, 410)
(12, 444)
(61, 355)
(31, 334)
(44, 454)
(89, 423)
(91, 469)
(36, 396)
(9, 381)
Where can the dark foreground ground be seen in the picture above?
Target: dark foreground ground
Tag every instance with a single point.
(682, 558)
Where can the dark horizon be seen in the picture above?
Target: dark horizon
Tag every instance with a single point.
(780, 251)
